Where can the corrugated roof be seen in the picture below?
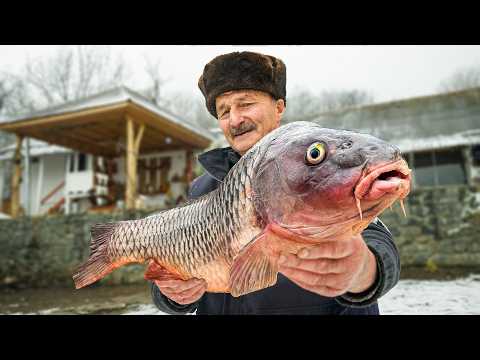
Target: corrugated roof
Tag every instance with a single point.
(422, 123)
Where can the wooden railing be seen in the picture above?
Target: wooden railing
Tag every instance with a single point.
(55, 208)
(53, 192)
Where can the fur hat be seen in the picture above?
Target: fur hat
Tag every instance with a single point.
(239, 71)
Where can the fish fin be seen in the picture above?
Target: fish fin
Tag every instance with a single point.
(98, 264)
(155, 271)
(253, 269)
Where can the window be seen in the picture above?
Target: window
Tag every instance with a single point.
(423, 169)
(476, 155)
(78, 162)
(72, 163)
(442, 167)
(82, 162)
(450, 167)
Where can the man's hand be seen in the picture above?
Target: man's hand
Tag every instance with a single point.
(332, 268)
(182, 291)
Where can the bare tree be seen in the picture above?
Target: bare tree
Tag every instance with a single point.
(203, 117)
(180, 103)
(338, 100)
(461, 79)
(154, 91)
(301, 105)
(4, 93)
(71, 73)
(190, 107)
(304, 105)
(8, 90)
(16, 97)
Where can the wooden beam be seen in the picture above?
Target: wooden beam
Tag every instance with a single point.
(130, 195)
(88, 142)
(16, 178)
(189, 167)
(79, 145)
(133, 147)
(149, 150)
(173, 130)
(152, 138)
(93, 134)
(138, 138)
(106, 130)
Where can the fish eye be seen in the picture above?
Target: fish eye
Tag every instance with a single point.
(315, 153)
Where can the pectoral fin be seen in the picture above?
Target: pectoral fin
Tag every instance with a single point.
(255, 268)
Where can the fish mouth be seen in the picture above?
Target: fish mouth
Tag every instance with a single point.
(380, 186)
(393, 176)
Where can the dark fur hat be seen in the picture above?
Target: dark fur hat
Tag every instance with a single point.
(239, 71)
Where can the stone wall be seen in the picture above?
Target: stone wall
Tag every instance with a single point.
(441, 231)
(44, 251)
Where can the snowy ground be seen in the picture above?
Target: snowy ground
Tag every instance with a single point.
(413, 297)
(409, 297)
(433, 297)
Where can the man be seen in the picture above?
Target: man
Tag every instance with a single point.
(246, 92)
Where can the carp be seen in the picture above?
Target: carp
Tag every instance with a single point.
(299, 185)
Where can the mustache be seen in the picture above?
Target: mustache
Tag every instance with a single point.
(243, 128)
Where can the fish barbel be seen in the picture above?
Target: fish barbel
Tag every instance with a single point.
(300, 185)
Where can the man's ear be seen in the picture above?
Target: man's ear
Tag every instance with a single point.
(280, 108)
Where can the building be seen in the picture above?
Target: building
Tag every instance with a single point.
(112, 150)
(439, 135)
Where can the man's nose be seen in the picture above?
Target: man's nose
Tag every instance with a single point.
(236, 117)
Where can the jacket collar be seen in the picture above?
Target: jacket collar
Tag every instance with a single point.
(218, 162)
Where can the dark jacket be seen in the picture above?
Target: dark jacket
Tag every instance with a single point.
(285, 297)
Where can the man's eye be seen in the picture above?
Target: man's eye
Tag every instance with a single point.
(245, 104)
(224, 114)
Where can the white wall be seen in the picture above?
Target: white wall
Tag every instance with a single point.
(55, 170)
(119, 177)
(2, 175)
(30, 204)
(53, 174)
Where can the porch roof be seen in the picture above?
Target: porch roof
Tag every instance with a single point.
(97, 125)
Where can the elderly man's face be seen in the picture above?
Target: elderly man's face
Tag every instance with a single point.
(246, 116)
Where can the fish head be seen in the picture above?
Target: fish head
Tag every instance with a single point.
(321, 182)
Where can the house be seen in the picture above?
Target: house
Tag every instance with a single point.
(439, 135)
(112, 150)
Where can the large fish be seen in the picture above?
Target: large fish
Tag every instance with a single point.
(300, 185)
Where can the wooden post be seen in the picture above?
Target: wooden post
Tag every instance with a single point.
(16, 179)
(189, 168)
(133, 148)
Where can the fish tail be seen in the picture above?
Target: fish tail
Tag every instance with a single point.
(99, 263)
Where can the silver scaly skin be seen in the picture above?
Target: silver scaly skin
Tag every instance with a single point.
(199, 239)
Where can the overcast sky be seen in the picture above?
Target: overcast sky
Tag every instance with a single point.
(388, 71)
